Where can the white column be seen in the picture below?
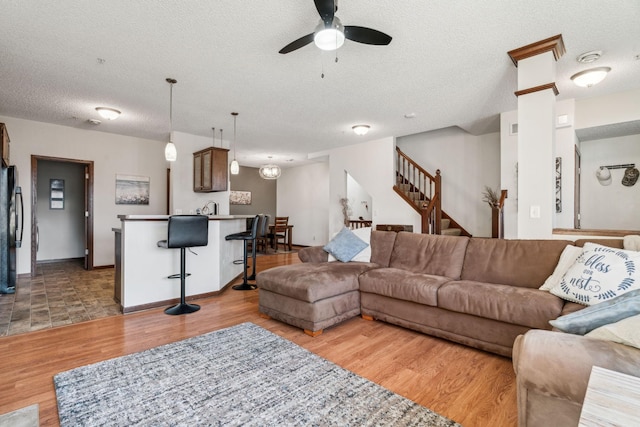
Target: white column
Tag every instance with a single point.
(536, 136)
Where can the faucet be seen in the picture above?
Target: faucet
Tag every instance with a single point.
(205, 209)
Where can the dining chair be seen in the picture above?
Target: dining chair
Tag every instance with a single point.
(279, 231)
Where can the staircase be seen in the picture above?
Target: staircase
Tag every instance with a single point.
(423, 192)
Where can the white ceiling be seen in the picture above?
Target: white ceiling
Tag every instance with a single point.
(447, 63)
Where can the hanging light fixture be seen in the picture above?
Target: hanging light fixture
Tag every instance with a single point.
(270, 171)
(170, 152)
(235, 166)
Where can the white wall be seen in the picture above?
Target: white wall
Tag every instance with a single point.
(509, 172)
(61, 231)
(564, 148)
(303, 196)
(182, 196)
(112, 154)
(372, 164)
(614, 206)
(360, 201)
(467, 163)
(604, 110)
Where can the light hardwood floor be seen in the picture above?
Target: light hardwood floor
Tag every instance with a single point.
(470, 386)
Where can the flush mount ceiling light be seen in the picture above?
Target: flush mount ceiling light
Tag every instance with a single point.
(108, 113)
(330, 38)
(590, 77)
(170, 152)
(270, 171)
(235, 166)
(361, 129)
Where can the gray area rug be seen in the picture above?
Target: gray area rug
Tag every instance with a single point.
(243, 375)
(23, 417)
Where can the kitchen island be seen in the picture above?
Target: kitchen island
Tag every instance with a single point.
(143, 267)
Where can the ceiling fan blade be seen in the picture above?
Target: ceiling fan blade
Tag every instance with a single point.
(366, 35)
(297, 44)
(326, 9)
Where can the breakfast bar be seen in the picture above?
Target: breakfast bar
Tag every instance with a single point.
(143, 267)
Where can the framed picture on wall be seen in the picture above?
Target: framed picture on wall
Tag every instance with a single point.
(56, 193)
(240, 197)
(132, 190)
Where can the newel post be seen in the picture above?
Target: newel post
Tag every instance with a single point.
(438, 207)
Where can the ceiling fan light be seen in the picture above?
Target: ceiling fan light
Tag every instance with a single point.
(329, 38)
(270, 171)
(170, 152)
(588, 78)
(108, 113)
(361, 129)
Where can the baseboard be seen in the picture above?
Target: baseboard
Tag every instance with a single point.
(174, 301)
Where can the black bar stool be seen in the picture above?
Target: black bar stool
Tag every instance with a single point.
(246, 237)
(185, 231)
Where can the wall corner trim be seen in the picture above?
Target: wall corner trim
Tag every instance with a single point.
(554, 44)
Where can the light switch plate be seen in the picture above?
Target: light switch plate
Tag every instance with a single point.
(534, 211)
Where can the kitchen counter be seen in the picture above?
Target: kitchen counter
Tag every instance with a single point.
(143, 268)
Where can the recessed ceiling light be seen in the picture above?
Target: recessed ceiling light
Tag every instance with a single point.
(410, 116)
(108, 113)
(589, 57)
(94, 122)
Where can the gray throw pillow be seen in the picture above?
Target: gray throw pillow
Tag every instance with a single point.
(345, 245)
(592, 317)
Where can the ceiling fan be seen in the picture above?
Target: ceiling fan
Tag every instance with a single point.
(330, 33)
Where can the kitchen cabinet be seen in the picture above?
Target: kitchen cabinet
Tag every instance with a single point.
(210, 168)
(4, 147)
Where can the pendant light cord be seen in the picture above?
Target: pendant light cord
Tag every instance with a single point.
(235, 116)
(170, 108)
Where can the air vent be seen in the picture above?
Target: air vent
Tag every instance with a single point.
(589, 57)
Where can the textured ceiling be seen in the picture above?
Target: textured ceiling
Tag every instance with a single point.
(447, 63)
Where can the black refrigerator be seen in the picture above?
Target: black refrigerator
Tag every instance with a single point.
(11, 227)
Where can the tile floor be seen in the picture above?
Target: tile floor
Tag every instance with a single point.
(61, 293)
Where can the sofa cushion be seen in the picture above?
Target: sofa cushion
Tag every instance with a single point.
(597, 315)
(345, 245)
(312, 282)
(568, 257)
(625, 331)
(429, 254)
(381, 246)
(600, 274)
(402, 284)
(523, 263)
(520, 306)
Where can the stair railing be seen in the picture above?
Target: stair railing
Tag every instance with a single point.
(426, 189)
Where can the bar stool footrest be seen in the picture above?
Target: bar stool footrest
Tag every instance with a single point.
(177, 276)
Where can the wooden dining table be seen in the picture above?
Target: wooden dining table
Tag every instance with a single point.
(288, 234)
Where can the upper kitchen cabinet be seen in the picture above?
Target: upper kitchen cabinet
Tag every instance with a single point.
(4, 147)
(210, 170)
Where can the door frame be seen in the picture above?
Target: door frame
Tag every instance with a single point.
(88, 197)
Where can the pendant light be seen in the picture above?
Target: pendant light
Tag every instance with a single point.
(170, 152)
(270, 171)
(235, 166)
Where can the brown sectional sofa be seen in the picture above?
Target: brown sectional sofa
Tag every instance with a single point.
(474, 291)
